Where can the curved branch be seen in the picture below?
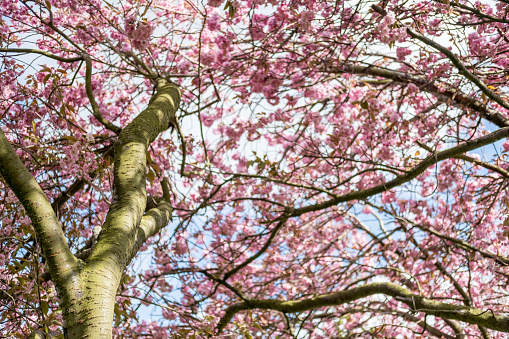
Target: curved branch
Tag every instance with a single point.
(426, 327)
(154, 219)
(409, 175)
(259, 253)
(474, 11)
(90, 94)
(486, 165)
(151, 223)
(48, 230)
(46, 54)
(461, 68)
(77, 185)
(279, 181)
(454, 59)
(504, 261)
(416, 303)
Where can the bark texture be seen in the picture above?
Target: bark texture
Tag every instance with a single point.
(87, 289)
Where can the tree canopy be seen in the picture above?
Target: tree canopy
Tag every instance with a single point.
(258, 169)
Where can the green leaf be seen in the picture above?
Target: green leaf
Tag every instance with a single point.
(44, 307)
(46, 78)
(151, 176)
(156, 168)
(70, 108)
(231, 11)
(70, 138)
(45, 69)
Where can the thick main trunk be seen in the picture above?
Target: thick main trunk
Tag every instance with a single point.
(91, 316)
(87, 307)
(88, 300)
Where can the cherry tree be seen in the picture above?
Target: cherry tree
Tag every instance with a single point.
(270, 169)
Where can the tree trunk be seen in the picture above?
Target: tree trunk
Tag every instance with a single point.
(87, 307)
(86, 288)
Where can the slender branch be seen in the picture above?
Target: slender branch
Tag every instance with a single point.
(259, 253)
(474, 10)
(426, 327)
(466, 298)
(486, 165)
(279, 181)
(458, 330)
(36, 51)
(504, 261)
(484, 332)
(95, 107)
(77, 185)
(407, 316)
(454, 59)
(225, 284)
(415, 302)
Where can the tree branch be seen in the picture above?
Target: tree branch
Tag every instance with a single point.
(461, 68)
(77, 185)
(454, 95)
(504, 261)
(426, 327)
(454, 59)
(486, 165)
(95, 107)
(154, 220)
(46, 54)
(120, 234)
(409, 175)
(47, 228)
(259, 253)
(415, 302)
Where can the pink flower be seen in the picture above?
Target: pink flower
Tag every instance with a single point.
(305, 19)
(257, 33)
(402, 52)
(387, 32)
(506, 146)
(214, 22)
(138, 32)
